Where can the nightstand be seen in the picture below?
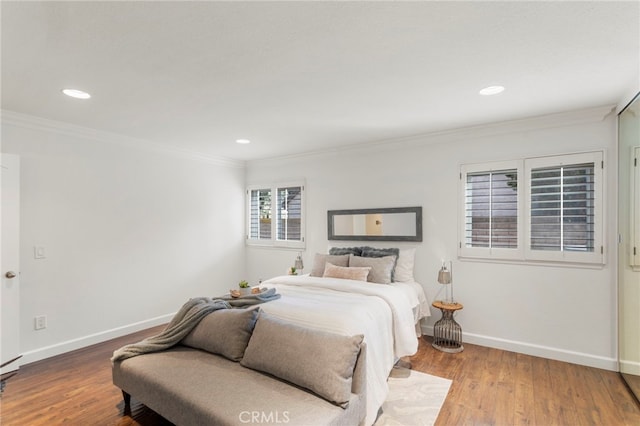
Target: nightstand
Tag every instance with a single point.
(447, 333)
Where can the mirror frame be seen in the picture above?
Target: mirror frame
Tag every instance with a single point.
(331, 214)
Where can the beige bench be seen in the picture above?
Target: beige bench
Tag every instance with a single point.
(228, 372)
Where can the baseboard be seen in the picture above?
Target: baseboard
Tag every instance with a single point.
(630, 367)
(92, 339)
(579, 358)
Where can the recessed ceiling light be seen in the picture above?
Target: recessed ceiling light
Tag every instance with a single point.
(75, 93)
(243, 141)
(491, 90)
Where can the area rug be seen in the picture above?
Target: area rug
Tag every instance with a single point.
(414, 399)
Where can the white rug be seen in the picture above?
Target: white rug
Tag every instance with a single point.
(414, 400)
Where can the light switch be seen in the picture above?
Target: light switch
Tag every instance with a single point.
(38, 252)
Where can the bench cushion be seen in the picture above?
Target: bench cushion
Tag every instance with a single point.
(317, 360)
(224, 332)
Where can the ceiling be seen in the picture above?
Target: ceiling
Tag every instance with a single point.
(295, 77)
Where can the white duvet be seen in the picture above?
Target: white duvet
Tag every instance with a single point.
(382, 313)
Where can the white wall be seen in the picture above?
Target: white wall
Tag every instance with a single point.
(557, 312)
(130, 232)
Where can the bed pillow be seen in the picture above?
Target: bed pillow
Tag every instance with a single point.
(381, 252)
(317, 360)
(381, 267)
(404, 266)
(224, 332)
(346, 250)
(358, 274)
(320, 260)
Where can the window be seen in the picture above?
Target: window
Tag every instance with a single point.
(538, 209)
(276, 215)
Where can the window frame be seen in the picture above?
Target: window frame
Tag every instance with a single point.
(273, 241)
(523, 252)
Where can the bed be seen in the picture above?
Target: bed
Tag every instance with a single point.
(388, 315)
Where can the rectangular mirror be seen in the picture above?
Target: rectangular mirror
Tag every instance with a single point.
(384, 224)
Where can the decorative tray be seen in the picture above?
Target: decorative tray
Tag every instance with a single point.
(254, 291)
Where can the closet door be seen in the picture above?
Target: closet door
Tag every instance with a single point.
(629, 248)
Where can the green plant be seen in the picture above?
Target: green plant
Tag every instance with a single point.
(243, 284)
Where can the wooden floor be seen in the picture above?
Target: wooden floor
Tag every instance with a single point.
(490, 387)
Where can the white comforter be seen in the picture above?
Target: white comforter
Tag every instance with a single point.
(382, 313)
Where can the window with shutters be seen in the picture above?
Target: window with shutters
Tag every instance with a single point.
(534, 209)
(275, 215)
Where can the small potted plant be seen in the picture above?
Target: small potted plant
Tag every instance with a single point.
(244, 288)
(292, 271)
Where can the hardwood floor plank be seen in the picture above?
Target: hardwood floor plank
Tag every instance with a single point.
(524, 399)
(490, 387)
(505, 407)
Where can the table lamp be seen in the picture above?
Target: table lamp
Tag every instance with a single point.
(298, 263)
(445, 278)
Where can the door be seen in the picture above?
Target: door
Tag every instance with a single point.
(9, 262)
(629, 246)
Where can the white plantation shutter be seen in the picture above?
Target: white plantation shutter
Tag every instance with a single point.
(491, 209)
(565, 208)
(562, 208)
(289, 211)
(260, 214)
(491, 222)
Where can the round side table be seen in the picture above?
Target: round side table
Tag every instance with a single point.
(447, 333)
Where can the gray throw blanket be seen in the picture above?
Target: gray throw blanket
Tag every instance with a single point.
(180, 325)
(252, 299)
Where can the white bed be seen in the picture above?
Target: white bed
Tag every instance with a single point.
(388, 316)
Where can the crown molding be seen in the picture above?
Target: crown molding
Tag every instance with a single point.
(562, 119)
(46, 125)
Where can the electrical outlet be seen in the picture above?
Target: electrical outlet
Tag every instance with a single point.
(40, 322)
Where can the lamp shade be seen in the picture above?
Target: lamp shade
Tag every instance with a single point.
(444, 275)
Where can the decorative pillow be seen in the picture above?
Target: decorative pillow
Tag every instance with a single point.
(224, 332)
(381, 252)
(317, 360)
(358, 274)
(404, 267)
(381, 267)
(346, 250)
(320, 260)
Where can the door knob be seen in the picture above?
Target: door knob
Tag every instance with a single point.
(10, 274)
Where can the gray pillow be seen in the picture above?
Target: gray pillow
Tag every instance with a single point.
(317, 360)
(346, 250)
(320, 260)
(381, 252)
(381, 267)
(224, 332)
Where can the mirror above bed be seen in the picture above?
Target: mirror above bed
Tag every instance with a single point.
(383, 224)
